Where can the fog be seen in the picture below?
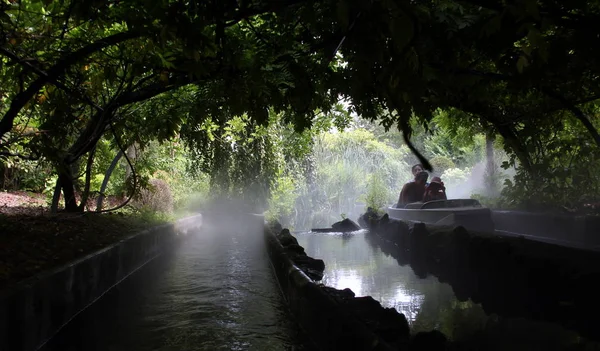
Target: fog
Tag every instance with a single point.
(476, 183)
(353, 170)
(348, 172)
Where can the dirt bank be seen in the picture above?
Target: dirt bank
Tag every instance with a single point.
(32, 240)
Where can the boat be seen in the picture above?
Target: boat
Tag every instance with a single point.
(468, 213)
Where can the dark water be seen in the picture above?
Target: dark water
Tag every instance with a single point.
(356, 262)
(216, 292)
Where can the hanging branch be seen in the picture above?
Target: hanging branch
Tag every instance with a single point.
(576, 112)
(404, 127)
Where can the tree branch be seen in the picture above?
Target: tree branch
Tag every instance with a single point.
(505, 130)
(54, 72)
(150, 91)
(274, 6)
(43, 74)
(97, 125)
(21, 156)
(576, 112)
(404, 126)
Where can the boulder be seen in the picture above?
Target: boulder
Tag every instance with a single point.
(286, 238)
(369, 219)
(347, 225)
(276, 226)
(388, 323)
(341, 296)
(313, 268)
(309, 262)
(295, 250)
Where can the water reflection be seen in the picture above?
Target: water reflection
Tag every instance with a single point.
(347, 278)
(359, 264)
(351, 263)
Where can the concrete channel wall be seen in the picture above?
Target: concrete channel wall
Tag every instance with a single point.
(34, 310)
(329, 325)
(583, 230)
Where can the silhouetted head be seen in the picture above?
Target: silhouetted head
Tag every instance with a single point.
(436, 180)
(417, 168)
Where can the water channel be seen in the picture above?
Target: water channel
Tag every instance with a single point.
(356, 261)
(217, 292)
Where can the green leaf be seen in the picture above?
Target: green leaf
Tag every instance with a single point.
(535, 37)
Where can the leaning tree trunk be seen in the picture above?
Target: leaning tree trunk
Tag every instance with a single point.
(107, 175)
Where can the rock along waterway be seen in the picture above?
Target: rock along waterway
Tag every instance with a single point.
(355, 261)
(215, 292)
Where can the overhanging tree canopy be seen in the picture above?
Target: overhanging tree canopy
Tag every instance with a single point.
(72, 67)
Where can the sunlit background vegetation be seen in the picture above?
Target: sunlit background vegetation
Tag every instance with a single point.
(306, 180)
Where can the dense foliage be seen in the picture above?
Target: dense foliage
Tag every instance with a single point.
(235, 85)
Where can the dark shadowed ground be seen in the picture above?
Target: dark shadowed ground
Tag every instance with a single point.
(32, 240)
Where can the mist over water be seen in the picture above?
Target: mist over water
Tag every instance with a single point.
(476, 184)
(215, 292)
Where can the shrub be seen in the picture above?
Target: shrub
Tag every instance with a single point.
(441, 164)
(156, 196)
(377, 192)
(282, 201)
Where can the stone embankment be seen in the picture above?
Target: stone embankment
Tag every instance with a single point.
(513, 277)
(337, 319)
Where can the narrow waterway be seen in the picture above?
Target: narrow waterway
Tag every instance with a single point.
(215, 292)
(356, 261)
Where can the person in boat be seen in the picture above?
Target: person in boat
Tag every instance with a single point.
(416, 169)
(435, 190)
(413, 191)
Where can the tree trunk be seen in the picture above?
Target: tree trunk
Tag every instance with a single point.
(85, 194)
(491, 172)
(55, 198)
(65, 178)
(107, 175)
(489, 151)
(131, 154)
(66, 182)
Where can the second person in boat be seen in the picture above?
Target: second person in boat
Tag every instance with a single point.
(435, 190)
